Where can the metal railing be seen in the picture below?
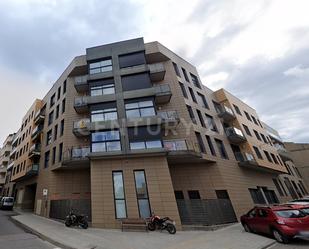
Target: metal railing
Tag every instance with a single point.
(175, 145)
(77, 153)
(234, 131)
(36, 130)
(227, 109)
(162, 89)
(244, 157)
(35, 148)
(81, 101)
(79, 80)
(168, 115)
(33, 168)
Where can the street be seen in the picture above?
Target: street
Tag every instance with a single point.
(11, 236)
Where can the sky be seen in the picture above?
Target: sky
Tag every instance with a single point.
(258, 50)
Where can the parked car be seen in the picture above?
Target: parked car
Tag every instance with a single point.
(283, 222)
(7, 203)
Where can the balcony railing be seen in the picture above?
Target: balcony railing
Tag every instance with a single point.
(81, 83)
(170, 119)
(39, 117)
(235, 135)
(77, 153)
(36, 132)
(82, 127)
(163, 93)
(175, 145)
(157, 71)
(244, 157)
(33, 170)
(35, 150)
(226, 113)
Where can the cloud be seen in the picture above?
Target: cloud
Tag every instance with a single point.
(256, 49)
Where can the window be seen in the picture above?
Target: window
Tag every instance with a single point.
(179, 195)
(103, 87)
(52, 100)
(270, 196)
(257, 135)
(199, 114)
(183, 90)
(192, 95)
(59, 93)
(202, 100)
(57, 112)
(103, 112)
(142, 193)
(133, 59)
(248, 116)
(61, 127)
(176, 69)
(194, 194)
(278, 187)
(247, 130)
(257, 196)
(100, 66)
(63, 105)
(135, 81)
(46, 159)
(274, 158)
(184, 72)
(237, 110)
(195, 80)
(222, 194)
(282, 187)
(264, 138)
(254, 120)
(221, 149)
(145, 137)
(49, 137)
(119, 195)
(260, 123)
(60, 152)
(64, 89)
(211, 147)
(50, 117)
(217, 107)
(55, 132)
(262, 213)
(54, 156)
(257, 152)
(268, 156)
(211, 123)
(140, 108)
(200, 142)
(104, 141)
(191, 114)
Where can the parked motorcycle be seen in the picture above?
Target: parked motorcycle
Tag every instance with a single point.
(76, 220)
(155, 222)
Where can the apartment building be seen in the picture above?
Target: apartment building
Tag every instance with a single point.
(4, 161)
(299, 152)
(290, 185)
(128, 129)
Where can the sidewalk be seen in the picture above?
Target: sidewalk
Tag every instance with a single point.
(232, 237)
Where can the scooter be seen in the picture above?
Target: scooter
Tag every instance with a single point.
(76, 220)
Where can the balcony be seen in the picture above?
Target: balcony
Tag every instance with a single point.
(3, 169)
(82, 127)
(75, 158)
(182, 151)
(2, 180)
(248, 161)
(81, 104)
(81, 83)
(33, 170)
(36, 133)
(157, 72)
(226, 113)
(163, 93)
(39, 117)
(35, 150)
(284, 154)
(169, 119)
(14, 142)
(10, 165)
(13, 152)
(235, 135)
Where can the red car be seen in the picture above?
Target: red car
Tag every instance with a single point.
(284, 222)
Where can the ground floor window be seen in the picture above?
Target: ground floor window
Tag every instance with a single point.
(119, 195)
(142, 193)
(263, 195)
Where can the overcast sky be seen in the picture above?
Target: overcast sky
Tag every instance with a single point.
(258, 50)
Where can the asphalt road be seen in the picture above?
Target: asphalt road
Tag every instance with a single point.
(12, 236)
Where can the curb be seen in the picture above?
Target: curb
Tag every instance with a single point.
(40, 235)
(269, 246)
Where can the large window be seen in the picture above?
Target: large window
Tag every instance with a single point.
(104, 141)
(142, 193)
(103, 87)
(176, 69)
(119, 195)
(191, 114)
(211, 123)
(237, 110)
(100, 66)
(133, 59)
(192, 95)
(184, 72)
(199, 114)
(135, 82)
(195, 80)
(221, 149)
(247, 130)
(50, 117)
(46, 159)
(183, 90)
(202, 100)
(211, 147)
(257, 152)
(145, 137)
(200, 142)
(140, 108)
(49, 137)
(104, 112)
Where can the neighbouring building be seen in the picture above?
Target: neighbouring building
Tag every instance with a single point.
(128, 129)
(299, 152)
(4, 161)
(290, 185)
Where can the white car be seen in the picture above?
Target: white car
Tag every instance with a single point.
(7, 203)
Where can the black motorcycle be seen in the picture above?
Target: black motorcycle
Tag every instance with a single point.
(76, 220)
(155, 222)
